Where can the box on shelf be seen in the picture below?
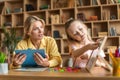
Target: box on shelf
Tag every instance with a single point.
(102, 34)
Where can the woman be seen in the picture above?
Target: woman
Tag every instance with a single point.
(34, 38)
(80, 43)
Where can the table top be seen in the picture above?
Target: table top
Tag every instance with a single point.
(98, 73)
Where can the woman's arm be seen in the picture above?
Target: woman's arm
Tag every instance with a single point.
(54, 56)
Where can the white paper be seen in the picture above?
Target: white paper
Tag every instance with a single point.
(31, 69)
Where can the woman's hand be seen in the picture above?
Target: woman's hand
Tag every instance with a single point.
(92, 46)
(41, 61)
(18, 59)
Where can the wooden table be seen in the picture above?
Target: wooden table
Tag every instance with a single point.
(98, 74)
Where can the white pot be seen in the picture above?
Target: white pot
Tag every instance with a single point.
(3, 68)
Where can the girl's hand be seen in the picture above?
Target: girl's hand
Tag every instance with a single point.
(92, 46)
(18, 59)
(41, 61)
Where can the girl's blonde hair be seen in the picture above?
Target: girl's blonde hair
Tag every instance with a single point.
(67, 25)
(28, 24)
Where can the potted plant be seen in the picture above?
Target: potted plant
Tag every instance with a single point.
(3, 64)
(10, 41)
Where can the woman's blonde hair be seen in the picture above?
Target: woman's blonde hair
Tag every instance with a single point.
(28, 25)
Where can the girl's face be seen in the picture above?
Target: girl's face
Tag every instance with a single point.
(77, 31)
(37, 31)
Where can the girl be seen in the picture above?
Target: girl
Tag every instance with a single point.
(80, 43)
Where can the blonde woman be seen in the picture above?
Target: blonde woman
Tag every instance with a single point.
(34, 38)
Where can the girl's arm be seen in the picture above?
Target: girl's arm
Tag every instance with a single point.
(80, 51)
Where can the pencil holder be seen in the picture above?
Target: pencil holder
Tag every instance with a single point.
(116, 67)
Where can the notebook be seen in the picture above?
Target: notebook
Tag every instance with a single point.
(29, 62)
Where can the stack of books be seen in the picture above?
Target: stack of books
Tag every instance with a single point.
(113, 31)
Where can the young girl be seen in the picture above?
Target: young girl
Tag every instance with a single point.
(80, 43)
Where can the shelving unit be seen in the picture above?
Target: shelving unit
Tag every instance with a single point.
(98, 15)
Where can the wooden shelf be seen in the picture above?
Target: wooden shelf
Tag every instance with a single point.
(108, 16)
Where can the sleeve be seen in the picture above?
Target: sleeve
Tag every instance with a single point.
(19, 46)
(55, 57)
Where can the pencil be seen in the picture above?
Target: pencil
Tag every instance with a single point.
(112, 57)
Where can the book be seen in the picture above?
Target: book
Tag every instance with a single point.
(94, 2)
(8, 11)
(106, 14)
(1, 7)
(102, 34)
(98, 2)
(29, 62)
(111, 1)
(81, 2)
(116, 1)
(110, 31)
(113, 31)
(81, 16)
(77, 3)
(89, 30)
(71, 3)
(56, 34)
(17, 10)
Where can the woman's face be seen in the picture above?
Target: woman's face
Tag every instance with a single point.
(77, 31)
(37, 31)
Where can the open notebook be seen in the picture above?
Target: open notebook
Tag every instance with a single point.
(95, 54)
(29, 62)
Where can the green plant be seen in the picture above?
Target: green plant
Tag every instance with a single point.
(2, 57)
(10, 39)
